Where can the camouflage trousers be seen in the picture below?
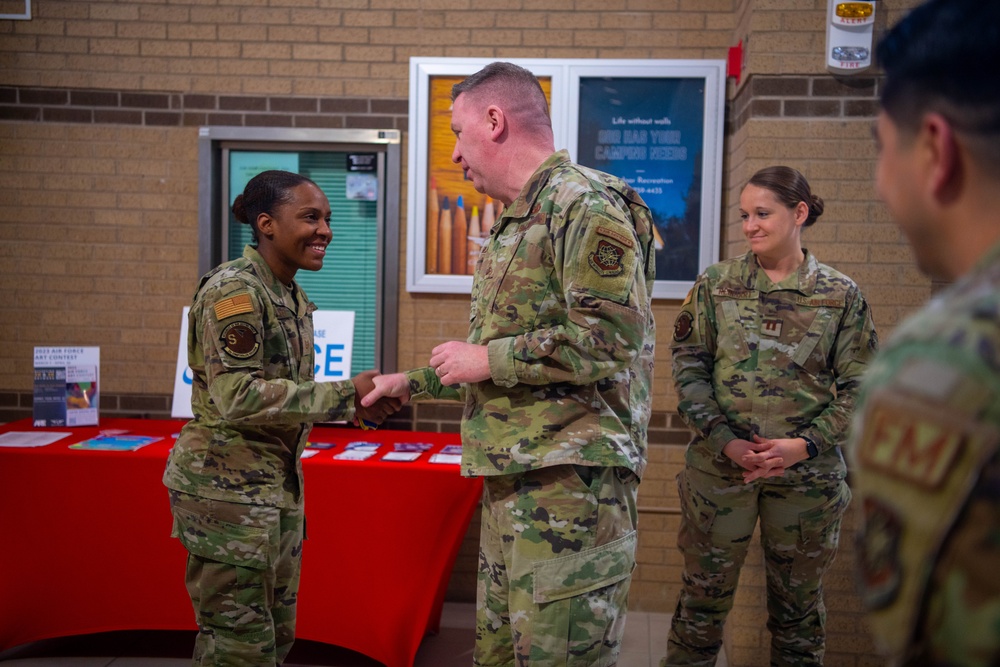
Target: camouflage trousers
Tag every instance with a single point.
(243, 578)
(799, 533)
(556, 554)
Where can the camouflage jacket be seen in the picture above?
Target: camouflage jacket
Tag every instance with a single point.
(779, 360)
(250, 349)
(561, 298)
(925, 453)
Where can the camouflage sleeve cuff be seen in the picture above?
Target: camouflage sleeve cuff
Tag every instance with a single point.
(422, 381)
(720, 436)
(814, 437)
(501, 356)
(425, 385)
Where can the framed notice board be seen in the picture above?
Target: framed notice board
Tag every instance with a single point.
(657, 124)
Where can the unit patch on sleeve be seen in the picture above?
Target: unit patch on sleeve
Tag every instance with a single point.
(606, 260)
(234, 305)
(239, 340)
(683, 326)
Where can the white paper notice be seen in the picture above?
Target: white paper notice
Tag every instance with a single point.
(31, 438)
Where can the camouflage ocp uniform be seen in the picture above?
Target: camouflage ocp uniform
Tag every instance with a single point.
(561, 298)
(926, 447)
(781, 361)
(235, 472)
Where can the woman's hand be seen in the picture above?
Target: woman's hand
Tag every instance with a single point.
(770, 457)
(758, 457)
(374, 411)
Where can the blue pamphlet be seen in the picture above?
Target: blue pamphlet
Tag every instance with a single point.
(123, 443)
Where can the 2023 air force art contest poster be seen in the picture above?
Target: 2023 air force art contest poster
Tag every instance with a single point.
(65, 386)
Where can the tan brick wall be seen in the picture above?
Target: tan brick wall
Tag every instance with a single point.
(99, 102)
(789, 36)
(99, 246)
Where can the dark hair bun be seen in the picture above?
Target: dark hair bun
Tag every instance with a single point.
(239, 210)
(816, 207)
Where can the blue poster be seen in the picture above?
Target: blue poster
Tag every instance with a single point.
(649, 132)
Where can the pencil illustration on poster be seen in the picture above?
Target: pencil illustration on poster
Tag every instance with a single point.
(458, 218)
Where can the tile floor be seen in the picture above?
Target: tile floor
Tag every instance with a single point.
(644, 644)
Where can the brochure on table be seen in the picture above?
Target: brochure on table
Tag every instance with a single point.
(117, 442)
(333, 333)
(65, 386)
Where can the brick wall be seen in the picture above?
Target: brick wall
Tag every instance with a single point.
(99, 105)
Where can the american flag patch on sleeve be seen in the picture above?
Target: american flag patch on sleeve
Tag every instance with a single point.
(234, 305)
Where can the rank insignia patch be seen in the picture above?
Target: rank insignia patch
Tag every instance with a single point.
(607, 259)
(770, 327)
(682, 326)
(239, 340)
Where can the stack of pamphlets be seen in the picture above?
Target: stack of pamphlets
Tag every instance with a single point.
(357, 451)
(407, 451)
(449, 454)
(31, 438)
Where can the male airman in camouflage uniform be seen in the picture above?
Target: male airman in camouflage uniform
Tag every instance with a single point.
(555, 375)
(235, 473)
(758, 360)
(926, 438)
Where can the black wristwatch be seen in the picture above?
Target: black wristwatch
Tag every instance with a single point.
(811, 449)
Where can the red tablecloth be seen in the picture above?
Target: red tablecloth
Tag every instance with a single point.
(86, 541)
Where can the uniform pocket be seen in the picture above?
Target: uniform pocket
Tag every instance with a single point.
(732, 344)
(813, 351)
(698, 511)
(212, 539)
(822, 524)
(570, 576)
(819, 536)
(522, 284)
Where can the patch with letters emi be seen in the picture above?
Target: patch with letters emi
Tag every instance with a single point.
(607, 259)
(912, 443)
(234, 305)
(239, 340)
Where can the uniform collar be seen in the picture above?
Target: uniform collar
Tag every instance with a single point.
(525, 202)
(989, 258)
(291, 298)
(802, 281)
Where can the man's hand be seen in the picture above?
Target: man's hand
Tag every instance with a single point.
(394, 386)
(375, 411)
(456, 362)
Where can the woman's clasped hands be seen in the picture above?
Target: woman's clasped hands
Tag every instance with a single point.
(765, 457)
